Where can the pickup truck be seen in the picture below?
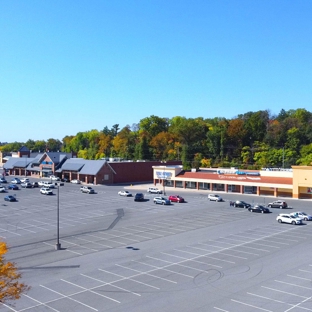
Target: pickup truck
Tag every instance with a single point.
(87, 189)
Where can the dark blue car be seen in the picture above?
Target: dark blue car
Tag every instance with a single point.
(10, 198)
(13, 187)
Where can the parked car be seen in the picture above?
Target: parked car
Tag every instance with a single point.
(87, 189)
(41, 183)
(161, 200)
(35, 184)
(215, 197)
(124, 193)
(10, 198)
(54, 178)
(302, 215)
(176, 199)
(2, 189)
(24, 180)
(13, 187)
(16, 181)
(139, 197)
(65, 180)
(278, 204)
(259, 208)
(154, 190)
(241, 204)
(75, 181)
(26, 185)
(3, 180)
(46, 191)
(287, 218)
(48, 184)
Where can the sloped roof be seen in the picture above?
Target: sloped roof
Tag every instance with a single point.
(56, 157)
(92, 167)
(72, 167)
(23, 149)
(14, 162)
(84, 166)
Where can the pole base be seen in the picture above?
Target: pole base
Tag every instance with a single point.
(57, 246)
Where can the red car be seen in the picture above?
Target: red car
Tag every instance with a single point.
(176, 199)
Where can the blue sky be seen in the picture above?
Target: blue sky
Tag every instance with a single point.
(76, 65)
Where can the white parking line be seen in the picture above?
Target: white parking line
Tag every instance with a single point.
(266, 245)
(250, 305)
(292, 284)
(138, 272)
(37, 305)
(302, 278)
(75, 252)
(243, 243)
(205, 255)
(157, 268)
(231, 248)
(221, 309)
(306, 271)
(219, 252)
(283, 292)
(157, 226)
(90, 290)
(297, 305)
(68, 297)
(81, 246)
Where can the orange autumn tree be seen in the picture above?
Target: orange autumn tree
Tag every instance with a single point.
(10, 287)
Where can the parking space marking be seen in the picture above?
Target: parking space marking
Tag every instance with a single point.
(297, 305)
(157, 226)
(37, 305)
(291, 284)
(221, 309)
(7, 231)
(302, 278)
(230, 248)
(283, 292)
(81, 246)
(90, 290)
(75, 252)
(122, 279)
(250, 305)
(205, 255)
(92, 242)
(69, 297)
(157, 268)
(306, 271)
(253, 242)
(242, 244)
(142, 274)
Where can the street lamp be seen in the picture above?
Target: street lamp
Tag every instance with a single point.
(58, 244)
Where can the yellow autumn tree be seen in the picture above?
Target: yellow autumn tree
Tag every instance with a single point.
(10, 287)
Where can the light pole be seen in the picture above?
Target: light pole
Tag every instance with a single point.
(58, 244)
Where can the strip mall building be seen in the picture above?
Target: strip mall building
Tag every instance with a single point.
(294, 183)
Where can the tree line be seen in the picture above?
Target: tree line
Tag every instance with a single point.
(251, 140)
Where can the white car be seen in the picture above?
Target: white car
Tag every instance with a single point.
(288, 218)
(54, 178)
(124, 193)
(302, 215)
(16, 181)
(154, 190)
(87, 189)
(2, 189)
(75, 181)
(25, 180)
(41, 183)
(48, 184)
(46, 191)
(215, 197)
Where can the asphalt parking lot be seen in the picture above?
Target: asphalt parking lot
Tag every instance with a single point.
(121, 255)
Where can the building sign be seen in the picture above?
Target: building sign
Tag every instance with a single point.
(309, 190)
(163, 175)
